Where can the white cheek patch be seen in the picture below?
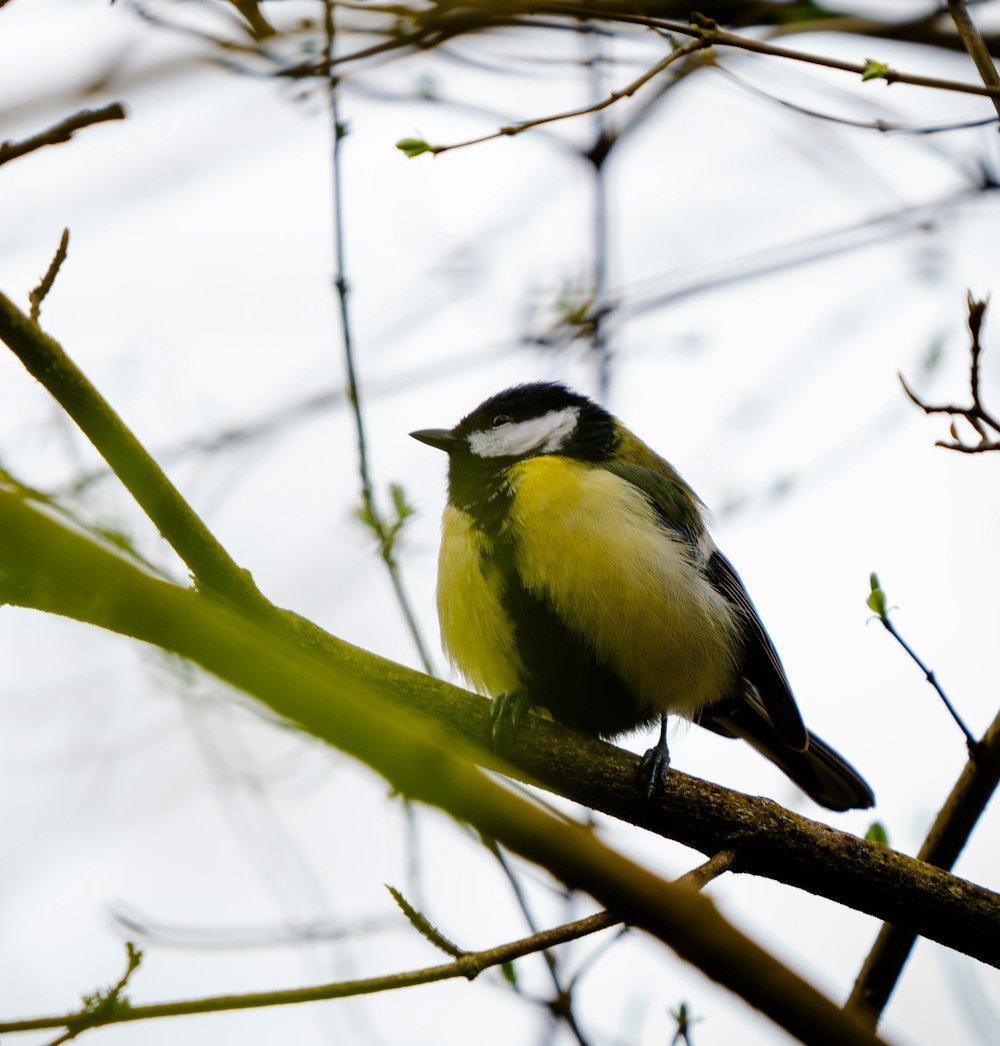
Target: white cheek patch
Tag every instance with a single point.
(517, 438)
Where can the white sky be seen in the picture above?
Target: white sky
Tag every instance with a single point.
(197, 296)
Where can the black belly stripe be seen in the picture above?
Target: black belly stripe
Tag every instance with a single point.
(564, 673)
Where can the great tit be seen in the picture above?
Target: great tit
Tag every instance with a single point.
(576, 573)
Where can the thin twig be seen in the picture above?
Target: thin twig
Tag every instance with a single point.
(510, 130)
(932, 679)
(465, 964)
(62, 131)
(346, 706)
(698, 878)
(975, 45)
(703, 30)
(976, 415)
(878, 602)
(106, 1005)
(522, 903)
(881, 126)
(941, 848)
(425, 927)
(38, 295)
(371, 514)
(604, 143)
(183, 529)
(434, 25)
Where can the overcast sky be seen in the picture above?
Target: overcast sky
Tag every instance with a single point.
(775, 271)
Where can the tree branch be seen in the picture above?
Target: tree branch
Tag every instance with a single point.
(62, 131)
(466, 964)
(46, 566)
(948, 835)
(183, 529)
(769, 841)
(975, 45)
(976, 414)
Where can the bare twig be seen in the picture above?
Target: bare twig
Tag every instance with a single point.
(385, 533)
(38, 295)
(976, 415)
(410, 147)
(698, 878)
(877, 601)
(48, 566)
(424, 927)
(603, 145)
(362, 702)
(183, 529)
(879, 125)
(702, 29)
(62, 131)
(465, 964)
(948, 835)
(104, 1007)
(975, 45)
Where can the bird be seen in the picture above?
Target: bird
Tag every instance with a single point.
(577, 575)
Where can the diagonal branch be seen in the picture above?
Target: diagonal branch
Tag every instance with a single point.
(61, 132)
(45, 566)
(948, 835)
(465, 964)
(183, 529)
(976, 414)
(974, 43)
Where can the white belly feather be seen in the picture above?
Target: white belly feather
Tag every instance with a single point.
(590, 544)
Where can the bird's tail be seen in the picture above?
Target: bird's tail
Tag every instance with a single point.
(817, 769)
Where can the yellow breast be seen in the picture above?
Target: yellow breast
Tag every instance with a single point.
(475, 631)
(590, 544)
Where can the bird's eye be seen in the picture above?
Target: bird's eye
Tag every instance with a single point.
(500, 419)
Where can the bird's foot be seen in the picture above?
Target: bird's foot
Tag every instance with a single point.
(655, 764)
(510, 706)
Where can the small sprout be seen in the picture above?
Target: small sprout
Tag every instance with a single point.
(386, 532)
(363, 514)
(37, 296)
(875, 70)
(423, 925)
(414, 147)
(403, 508)
(682, 1015)
(977, 310)
(876, 598)
(877, 834)
(509, 973)
(342, 130)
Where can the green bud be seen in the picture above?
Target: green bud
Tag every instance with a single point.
(877, 834)
(876, 599)
(875, 70)
(414, 146)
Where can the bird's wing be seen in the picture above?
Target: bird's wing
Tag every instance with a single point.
(675, 504)
(817, 769)
(680, 511)
(762, 667)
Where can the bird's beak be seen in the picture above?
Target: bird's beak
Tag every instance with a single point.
(440, 438)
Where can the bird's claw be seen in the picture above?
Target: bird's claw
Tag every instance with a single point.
(655, 764)
(510, 706)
